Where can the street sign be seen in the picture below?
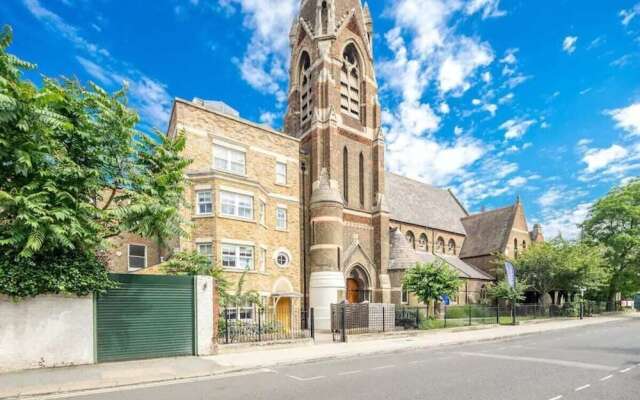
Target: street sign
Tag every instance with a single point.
(510, 273)
(445, 300)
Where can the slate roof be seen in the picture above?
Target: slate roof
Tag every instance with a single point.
(401, 254)
(465, 270)
(417, 203)
(487, 232)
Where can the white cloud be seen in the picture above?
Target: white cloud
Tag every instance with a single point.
(516, 128)
(627, 118)
(597, 159)
(147, 95)
(444, 108)
(487, 77)
(517, 181)
(458, 131)
(550, 197)
(268, 118)
(459, 66)
(507, 98)
(265, 62)
(628, 15)
(569, 44)
(430, 161)
(95, 70)
(491, 109)
(564, 221)
(489, 8)
(510, 57)
(70, 32)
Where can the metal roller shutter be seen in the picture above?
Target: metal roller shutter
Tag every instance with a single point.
(146, 317)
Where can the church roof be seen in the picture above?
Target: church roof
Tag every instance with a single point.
(487, 232)
(417, 203)
(401, 254)
(465, 270)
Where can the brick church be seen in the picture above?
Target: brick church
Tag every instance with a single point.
(310, 216)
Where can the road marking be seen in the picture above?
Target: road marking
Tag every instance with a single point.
(624, 371)
(357, 371)
(557, 398)
(418, 362)
(562, 363)
(583, 388)
(606, 378)
(383, 367)
(313, 378)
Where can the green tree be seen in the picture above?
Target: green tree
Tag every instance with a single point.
(194, 263)
(431, 281)
(583, 267)
(539, 267)
(614, 223)
(503, 291)
(75, 172)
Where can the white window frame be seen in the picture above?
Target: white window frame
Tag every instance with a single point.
(236, 313)
(208, 255)
(146, 256)
(198, 203)
(279, 222)
(283, 254)
(237, 257)
(225, 154)
(281, 176)
(236, 204)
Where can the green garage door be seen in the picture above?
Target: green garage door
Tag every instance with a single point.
(146, 317)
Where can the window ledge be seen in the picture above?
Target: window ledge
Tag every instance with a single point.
(224, 171)
(282, 230)
(203, 216)
(234, 218)
(240, 271)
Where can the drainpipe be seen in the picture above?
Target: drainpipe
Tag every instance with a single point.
(303, 168)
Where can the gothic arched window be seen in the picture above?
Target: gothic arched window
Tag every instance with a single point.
(423, 242)
(440, 245)
(411, 239)
(345, 175)
(350, 75)
(306, 89)
(515, 248)
(361, 178)
(452, 247)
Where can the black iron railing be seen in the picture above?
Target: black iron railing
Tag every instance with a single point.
(257, 324)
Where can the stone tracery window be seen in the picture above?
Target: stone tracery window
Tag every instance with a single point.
(411, 239)
(350, 76)
(452, 247)
(306, 89)
(423, 242)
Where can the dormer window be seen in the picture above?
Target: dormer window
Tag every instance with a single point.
(306, 89)
(350, 76)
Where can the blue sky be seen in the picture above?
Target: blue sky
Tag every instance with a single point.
(492, 98)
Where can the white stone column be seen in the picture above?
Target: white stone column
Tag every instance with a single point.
(323, 291)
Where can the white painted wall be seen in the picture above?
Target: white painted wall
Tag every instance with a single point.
(46, 331)
(204, 295)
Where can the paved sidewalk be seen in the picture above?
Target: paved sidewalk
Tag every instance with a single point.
(103, 376)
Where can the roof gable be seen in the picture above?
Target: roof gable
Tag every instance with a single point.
(487, 232)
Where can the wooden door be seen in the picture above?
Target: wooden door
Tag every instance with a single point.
(283, 313)
(352, 291)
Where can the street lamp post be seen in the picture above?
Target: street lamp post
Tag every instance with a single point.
(582, 290)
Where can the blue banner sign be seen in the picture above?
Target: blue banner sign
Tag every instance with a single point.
(510, 273)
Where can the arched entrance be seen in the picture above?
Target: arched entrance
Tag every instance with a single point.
(358, 289)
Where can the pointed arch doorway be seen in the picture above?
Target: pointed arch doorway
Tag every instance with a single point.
(358, 286)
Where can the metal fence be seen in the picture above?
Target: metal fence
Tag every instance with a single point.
(261, 324)
(353, 319)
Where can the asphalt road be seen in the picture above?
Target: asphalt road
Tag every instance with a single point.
(600, 362)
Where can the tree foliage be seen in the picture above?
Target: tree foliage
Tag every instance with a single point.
(614, 224)
(503, 291)
(75, 172)
(194, 263)
(560, 265)
(431, 281)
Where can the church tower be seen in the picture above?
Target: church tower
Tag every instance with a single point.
(335, 112)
